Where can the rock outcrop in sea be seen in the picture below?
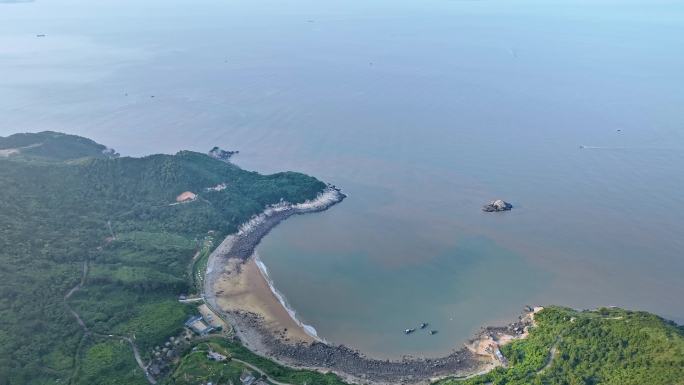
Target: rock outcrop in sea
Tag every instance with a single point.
(496, 206)
(221, 154)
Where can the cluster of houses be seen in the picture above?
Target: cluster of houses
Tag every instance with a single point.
(199, 325)
(205, 323)
(247, 378)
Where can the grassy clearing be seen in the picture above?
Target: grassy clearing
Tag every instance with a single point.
(196, 367)
(109, 362)
(154, 322)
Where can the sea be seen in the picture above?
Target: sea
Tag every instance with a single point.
(421, 112)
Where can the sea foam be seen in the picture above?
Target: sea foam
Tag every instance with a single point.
(310, 330)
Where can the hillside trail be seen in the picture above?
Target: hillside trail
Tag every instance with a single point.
(270, 379)
(87, 332)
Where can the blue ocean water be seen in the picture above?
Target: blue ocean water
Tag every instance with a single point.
(421, 112)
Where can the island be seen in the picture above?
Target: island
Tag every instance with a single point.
(120, 270)
(497, 206)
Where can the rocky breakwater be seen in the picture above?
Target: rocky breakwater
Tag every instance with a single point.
(241, 245)
(354, 367)
(476, 356)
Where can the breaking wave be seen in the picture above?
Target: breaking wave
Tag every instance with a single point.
(310, 330)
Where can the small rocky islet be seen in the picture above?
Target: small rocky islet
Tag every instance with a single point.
(221, 154)
(497, 205)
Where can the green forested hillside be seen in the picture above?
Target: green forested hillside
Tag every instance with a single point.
(51, 146)
(66, 202)
(607, 347)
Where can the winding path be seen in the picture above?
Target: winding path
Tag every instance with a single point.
(87, 332)
(552, 355)
(270, 379)
(138, 359)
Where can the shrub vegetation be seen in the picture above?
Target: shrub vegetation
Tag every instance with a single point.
(606, 346)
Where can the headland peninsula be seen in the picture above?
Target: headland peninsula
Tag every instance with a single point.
(101, 255)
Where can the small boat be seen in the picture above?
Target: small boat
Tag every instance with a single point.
(409, 331)
(433, 332)
(423, 325)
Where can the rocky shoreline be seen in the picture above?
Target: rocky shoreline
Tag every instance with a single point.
(242, 244)
(353, 366)
(348, 363)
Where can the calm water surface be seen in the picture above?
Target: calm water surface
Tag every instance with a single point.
(421, 111)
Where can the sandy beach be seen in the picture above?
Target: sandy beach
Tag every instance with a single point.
(243, 288)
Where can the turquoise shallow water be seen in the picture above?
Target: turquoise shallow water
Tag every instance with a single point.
(421, 112)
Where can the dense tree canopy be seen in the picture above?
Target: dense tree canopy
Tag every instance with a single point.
(67, 200)
(607, 347)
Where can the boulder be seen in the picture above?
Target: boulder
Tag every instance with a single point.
(496, 206)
